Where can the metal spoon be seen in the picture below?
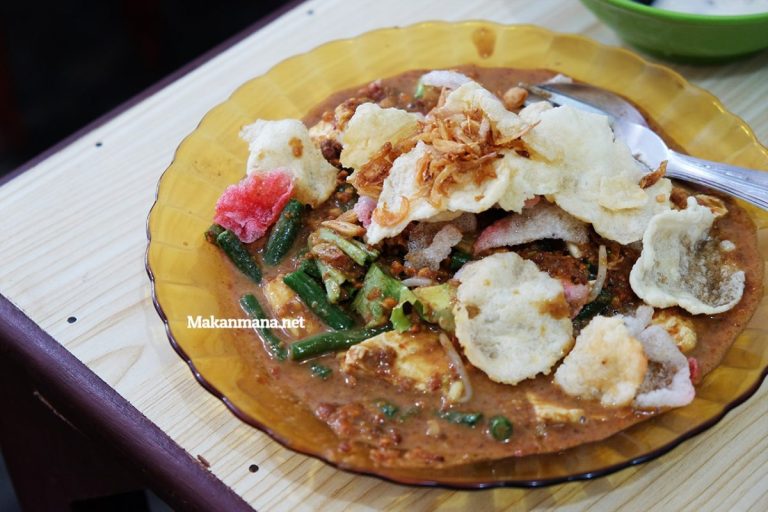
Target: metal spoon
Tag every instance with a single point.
(630, 126)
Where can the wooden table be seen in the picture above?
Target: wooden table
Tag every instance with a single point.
(73, 224)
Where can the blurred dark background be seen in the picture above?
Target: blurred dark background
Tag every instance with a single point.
(64, 63)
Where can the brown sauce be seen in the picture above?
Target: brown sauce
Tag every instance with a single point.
(415, 436)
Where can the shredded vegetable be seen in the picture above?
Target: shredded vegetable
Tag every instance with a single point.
(602, 272)
(458, 365)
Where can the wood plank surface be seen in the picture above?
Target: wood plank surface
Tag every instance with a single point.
(75, 239)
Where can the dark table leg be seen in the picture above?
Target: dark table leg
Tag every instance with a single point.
(105, 418)
(51, 463)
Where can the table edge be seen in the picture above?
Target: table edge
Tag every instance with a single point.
(101, 411)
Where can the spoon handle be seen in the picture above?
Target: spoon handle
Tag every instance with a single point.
(747, 184)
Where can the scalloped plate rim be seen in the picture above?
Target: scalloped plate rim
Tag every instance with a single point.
(436, 483)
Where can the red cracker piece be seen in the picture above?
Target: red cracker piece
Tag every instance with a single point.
(250, 207)
(693, 367)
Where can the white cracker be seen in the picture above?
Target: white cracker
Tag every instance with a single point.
(678, 268)
(269, 142)
(370, 128)
(508, 318)
(607, 363)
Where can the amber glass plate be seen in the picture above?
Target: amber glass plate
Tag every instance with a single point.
(188, 279)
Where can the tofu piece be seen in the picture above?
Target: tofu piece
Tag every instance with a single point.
(284, 303)
(409, 360)
(681, 266)
(286, 144)
(606, 364)
(370, 128)
(511, 318)
(548, 412)
(679, 328)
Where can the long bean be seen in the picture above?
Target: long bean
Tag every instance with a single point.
(253, 309)
(309, 267)
(419, 92)
(469, 419)
(332, 279)
(353, 248)
(284, 233)
(213, 232)
(239, 255)
(320, 371)
(310, 292)
(458, 259)
(500, 428)
(596, 307)
(388, 409)
(327, 342)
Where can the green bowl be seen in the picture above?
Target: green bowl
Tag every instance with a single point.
(681, 36)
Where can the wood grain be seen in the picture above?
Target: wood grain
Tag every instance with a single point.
(61, 389)
(89, 204)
